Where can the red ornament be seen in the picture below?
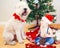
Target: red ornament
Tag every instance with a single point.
(32, 34)
(18, 17)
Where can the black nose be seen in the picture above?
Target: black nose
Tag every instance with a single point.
(25, 8)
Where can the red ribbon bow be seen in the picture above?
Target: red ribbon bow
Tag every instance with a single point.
(18, 17)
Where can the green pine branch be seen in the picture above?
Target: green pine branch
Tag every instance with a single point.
(41, 10)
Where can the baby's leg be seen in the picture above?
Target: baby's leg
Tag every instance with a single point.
(49, 41)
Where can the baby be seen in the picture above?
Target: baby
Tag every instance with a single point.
(45, 31)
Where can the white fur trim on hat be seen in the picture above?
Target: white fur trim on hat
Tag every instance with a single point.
(46, 20)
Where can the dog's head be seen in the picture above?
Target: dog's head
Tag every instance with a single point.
(22, 9)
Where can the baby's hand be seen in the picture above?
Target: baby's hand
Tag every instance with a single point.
(43, 35)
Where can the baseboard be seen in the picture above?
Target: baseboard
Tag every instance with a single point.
(2, 23)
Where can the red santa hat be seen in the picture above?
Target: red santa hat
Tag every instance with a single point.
(48, 18)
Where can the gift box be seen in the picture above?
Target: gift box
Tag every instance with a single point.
(50, 46)
(29, 45)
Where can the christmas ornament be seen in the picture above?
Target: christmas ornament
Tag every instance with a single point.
(49, 3)
(32, 35)
(45, 3)
(36, 1)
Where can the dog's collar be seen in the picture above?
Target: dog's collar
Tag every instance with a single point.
(18, 17)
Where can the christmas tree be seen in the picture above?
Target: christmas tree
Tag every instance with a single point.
(39, 9)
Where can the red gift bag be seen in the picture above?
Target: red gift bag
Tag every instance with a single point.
(32, 34)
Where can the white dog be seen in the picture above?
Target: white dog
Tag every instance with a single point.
(15, 25)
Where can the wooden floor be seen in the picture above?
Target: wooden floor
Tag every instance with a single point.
(15, 46)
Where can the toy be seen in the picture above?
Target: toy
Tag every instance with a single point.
(46, 32)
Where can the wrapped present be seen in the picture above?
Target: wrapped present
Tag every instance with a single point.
(32, 34)
(29, 45)
(50, 46)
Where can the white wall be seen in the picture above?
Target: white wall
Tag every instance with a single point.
(57, 8)
(7, 7)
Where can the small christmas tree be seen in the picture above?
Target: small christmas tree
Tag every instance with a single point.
(39, 9)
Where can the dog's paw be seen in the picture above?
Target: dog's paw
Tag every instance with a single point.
(21, 42)
(10, 43)
(13, 42)
(24, 37)
(5, 43)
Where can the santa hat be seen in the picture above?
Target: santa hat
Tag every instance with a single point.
(48, 18)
